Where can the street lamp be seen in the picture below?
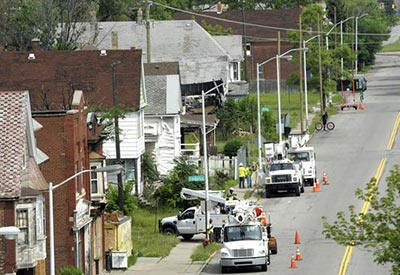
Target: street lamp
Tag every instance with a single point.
(279, 86)
(259, 107)
(326, 35)
(9, 232)
(356, 46)
(110, 168)
(205, 148)
(305, 76)
(341, 40)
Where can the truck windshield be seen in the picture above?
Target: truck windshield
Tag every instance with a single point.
(242, 232)
(301, 156)
(281, 166)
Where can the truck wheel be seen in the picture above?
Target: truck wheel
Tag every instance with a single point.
(224, 269)
(267, 193)
(297, 191)
(264, 267)
(187, 237)
(169, 231)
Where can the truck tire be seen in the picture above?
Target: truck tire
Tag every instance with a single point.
(267, 192)
(169, 231)
(264, 267)
(187, 237)
(224, 269)
(297, 190)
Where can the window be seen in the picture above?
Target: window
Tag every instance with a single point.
(234, 71)
(22, 224)
(94, 181)
(248, 49)
(261, 72)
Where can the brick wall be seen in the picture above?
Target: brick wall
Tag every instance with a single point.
(8, 247)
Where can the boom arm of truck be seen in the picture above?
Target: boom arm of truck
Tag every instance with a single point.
(214, 196)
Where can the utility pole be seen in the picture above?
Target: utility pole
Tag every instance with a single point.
(148, 39)
(117, 140)
(301, 78)
(322, 104)
(244, 42)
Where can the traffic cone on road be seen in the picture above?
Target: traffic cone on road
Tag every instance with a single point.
(293, 263)
(297, 238)
(317, 184)
(298, 255)
(325, 179)
(314, 188)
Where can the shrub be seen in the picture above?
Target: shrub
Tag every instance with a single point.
(231, 147)
(69, 270)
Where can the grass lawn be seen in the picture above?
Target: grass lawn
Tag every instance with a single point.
(146, 240)
(393, 47)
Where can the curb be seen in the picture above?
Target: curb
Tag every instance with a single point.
(206, 263)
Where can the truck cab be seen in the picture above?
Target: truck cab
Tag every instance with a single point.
(306, 157)
(284, 175)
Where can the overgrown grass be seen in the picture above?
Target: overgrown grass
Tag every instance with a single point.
(203, 253)
(393, 47)
(147, 241)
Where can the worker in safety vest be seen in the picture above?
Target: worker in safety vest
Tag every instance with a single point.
(210, 231)
(231, 195)
(242, 175)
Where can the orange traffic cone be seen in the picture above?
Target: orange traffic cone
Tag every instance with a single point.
(314, 188)
(293, 263)
(298, 255)
(318, 185)
(297, 238)
(325, 179)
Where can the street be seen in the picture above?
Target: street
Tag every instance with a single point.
(350, 155)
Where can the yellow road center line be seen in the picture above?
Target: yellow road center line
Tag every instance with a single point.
(364, 210)
(393, 134)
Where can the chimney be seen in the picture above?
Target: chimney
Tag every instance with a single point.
(139, 16)
(35, 44)
(114, 40)
(219, 7)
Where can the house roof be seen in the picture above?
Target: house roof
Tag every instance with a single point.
(200, 57)
(161, 68)
(53, 76)
(271, 20)
(232, 44)
(156, 92)
(13, 141)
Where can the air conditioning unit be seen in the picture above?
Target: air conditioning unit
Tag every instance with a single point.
(119, 259)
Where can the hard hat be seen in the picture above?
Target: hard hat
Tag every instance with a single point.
(231, 189)
(240, 164)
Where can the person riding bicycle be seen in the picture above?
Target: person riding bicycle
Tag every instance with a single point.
(324, 119)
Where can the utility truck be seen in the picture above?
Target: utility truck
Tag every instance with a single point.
(305, 157)
(246, 240)
(284, 175)
(193, 220)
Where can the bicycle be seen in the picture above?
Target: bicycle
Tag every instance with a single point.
(329, 125)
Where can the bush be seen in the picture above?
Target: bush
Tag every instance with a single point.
(129, 200)
(231, 147)
(69, 270)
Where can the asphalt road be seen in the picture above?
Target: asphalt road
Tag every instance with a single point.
(350, 155)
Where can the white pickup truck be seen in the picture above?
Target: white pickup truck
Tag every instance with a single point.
(191, 222)
(283, 175)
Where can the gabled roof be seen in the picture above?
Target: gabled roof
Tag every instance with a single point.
(13, 141)
(53, 76)
(200, 57)
(273, 20)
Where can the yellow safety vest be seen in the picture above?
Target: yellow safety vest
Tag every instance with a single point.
(242, 172)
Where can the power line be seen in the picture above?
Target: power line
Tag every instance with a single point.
(260, 26)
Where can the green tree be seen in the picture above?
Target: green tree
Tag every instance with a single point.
(168, 195)
(378, 229)
(231, 147)
(150, 175)
(228, 117)
(129, 199)
(268, 128)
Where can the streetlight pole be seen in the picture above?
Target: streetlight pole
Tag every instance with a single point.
(341, 41)
(279, 87)
(111, 168)
(205, 151)
(356, 46)
(305, 77)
